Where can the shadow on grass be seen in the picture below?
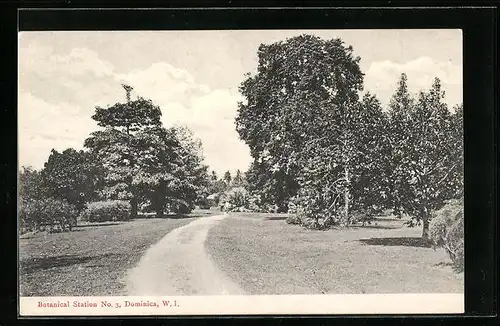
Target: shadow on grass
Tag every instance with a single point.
(387, 219)
(178, 216)
(97, 224)
(36, 264)
(276, 218)
(444, 263)
(372, 226)
(398, 241)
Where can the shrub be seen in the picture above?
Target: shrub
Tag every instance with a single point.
(52, 214)
(446, 230)
(312, 210)
(254, 203)
(237, 197)
(104, 211)
(181, 207)
(296, 214)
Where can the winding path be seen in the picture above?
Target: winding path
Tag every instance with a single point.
(179, 265)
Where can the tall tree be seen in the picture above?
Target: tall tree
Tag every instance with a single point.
(238, 179)
(400, 107)
(429, 170)
(213, 176)
(117, 145)
(371, 171)
(456, 149)
(227, 178)
(31, 186)
(170, 170)
(72, 175)
(300, 97)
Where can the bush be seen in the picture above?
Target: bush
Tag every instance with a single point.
(104, 211)
(54, 215)
(296, 214)
(312, 210)
(254, 202)
(180, 206)
(446, 230)
(237, 197)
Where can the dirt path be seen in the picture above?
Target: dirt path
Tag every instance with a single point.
(179, 265)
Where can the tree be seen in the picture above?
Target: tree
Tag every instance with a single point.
(299, 100)
(400, 108)
(456, 147)
(31, 186)
(156, 167)
(170, 170)
(117, 145)
(429, 168)
(74, 176)
(193, 173)
(371, 162)
(31, 190)
(37, 209)
(213, 176)
(227, 178)
(238, 180)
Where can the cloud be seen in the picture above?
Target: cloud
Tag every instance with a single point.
(164, 83)
(79, 76)
(209, 113)
(43, 126)
(58, 94)
(42, 61)
(382, 76)
(213, 121)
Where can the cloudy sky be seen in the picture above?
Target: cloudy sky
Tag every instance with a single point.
(194, 76)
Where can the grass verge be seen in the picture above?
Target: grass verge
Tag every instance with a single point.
(89, 261)
(267, 256)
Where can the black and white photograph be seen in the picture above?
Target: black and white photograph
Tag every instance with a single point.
(161, 168)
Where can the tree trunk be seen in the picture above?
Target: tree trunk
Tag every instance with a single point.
(133, 200)
(425, 223)
(346, 196)
(159, 203)
(133, 207)
(159, 210)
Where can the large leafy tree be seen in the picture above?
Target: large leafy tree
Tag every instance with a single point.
(371, 170)
(31, 186)
(456, 148)
(192, 172)
(346, 168)
(156, 166)
(72, 175)
(118, 147)
(299, 100)
(400, 107)
(170, 170)
(430, 168)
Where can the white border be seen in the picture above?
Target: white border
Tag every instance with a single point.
(360, 304)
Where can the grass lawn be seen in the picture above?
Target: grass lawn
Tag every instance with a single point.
(91, 260)
(265, 255)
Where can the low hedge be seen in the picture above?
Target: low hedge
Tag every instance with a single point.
(104, 211)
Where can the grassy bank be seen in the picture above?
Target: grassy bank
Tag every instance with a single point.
(267, 256)
(91, 260)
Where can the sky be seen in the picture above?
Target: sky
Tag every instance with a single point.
(194, 77)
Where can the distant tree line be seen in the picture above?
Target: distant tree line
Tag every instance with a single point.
(332, 157)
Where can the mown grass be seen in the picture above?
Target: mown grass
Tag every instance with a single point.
(265, 255)
(91, 260)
